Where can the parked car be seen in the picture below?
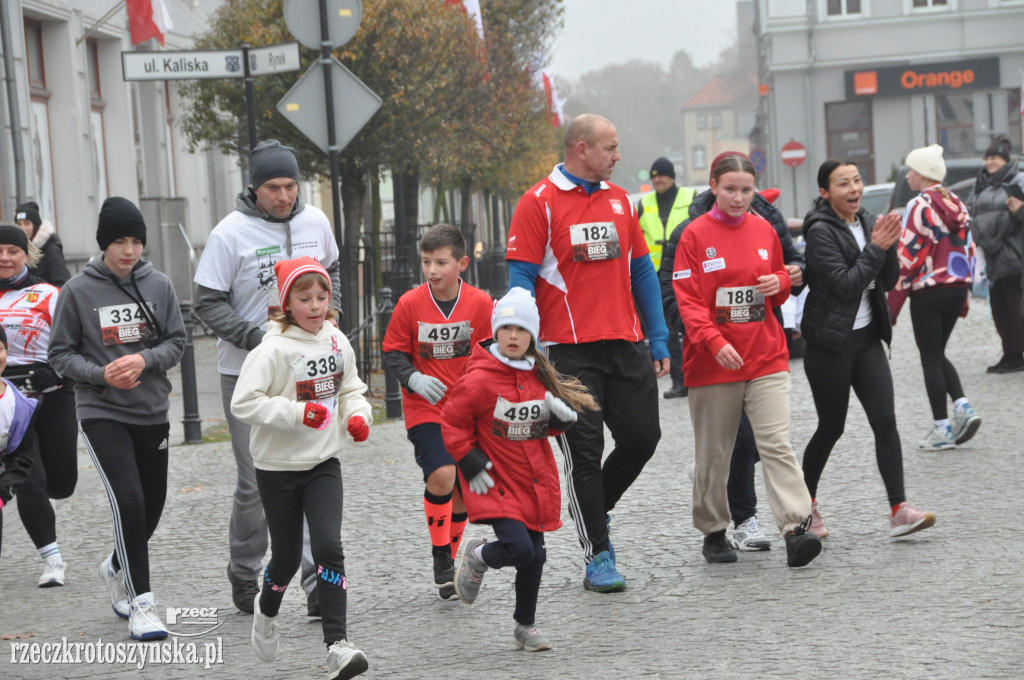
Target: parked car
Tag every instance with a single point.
(960, 173)
(877, 197)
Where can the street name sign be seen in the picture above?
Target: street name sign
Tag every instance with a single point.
(185, 64)
(280, 58)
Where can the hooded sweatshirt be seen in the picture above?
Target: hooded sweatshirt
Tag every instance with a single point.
(97, 322)
(237, 289)
(290, 368)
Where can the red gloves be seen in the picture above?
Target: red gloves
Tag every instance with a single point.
(316, 416)
(358, 428)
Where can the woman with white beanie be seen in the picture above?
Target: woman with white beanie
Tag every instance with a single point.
(936, 255)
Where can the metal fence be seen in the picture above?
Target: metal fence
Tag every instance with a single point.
(380, 279)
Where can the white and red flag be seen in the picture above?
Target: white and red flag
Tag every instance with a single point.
(472, 9)
(148, 19)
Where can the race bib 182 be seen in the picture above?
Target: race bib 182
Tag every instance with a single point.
(594, 241)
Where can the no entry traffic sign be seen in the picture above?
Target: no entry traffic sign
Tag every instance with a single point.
(793, 153)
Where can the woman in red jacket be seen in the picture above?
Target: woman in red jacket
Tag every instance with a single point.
(496, 424)
(729, 274)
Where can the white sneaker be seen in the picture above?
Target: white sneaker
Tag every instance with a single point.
(53, 573)
(114, 581)
(264, 633)
(144, 620)
(938, 439)
(345, 661)
(749, 537)
(965, 423)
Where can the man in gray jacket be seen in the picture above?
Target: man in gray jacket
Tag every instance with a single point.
(235, 292)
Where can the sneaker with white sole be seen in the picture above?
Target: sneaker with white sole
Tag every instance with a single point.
(144, 620)
(470, 574)
(114, 582)
(817, 527)
(939, 439)
(531, 639)
(965, 423)
(345, 661)
(264, 633)
(444, 573)
(53, 573)
(908, 520)
(749, 537)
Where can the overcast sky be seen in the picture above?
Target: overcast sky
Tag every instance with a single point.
(602, 32)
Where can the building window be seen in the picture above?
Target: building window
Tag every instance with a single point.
(838, 8)
(849, 135)
(716, 121)
(702, 121)
(966, 122)
(930, 3)
(99, 154)
(39, 121)
(700, 158)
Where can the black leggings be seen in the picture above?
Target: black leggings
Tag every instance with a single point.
(522, 548)
(55, 473)
(286, 497)
(1004, 297)
(132, 463)
(862, 365)
(934, 312)
(742, 495)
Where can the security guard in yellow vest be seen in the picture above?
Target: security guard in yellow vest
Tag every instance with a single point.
(664, 209)
(661, 211)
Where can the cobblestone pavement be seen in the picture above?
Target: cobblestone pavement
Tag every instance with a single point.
(944, 603)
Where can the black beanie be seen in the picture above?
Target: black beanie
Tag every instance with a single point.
(1000, 146)
(664, 167)
(13, 235)
(28, 211)
(269, 160)
(119, 218)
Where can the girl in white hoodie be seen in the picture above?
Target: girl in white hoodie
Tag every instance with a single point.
(300, 391)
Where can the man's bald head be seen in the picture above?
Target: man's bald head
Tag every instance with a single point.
(584, 128)
(591, 147)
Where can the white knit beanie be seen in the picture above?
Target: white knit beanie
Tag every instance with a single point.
(927, 162)
(517, 308)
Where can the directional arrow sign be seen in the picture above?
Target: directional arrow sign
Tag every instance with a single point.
(305, 105)
(272, 59)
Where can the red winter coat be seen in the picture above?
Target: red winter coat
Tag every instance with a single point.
(501, 410)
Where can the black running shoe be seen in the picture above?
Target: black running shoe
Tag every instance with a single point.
(717, 549)
(242, 592)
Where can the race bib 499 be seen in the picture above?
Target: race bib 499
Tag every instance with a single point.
(520, 421)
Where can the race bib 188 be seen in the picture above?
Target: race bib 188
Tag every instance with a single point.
(594, 241)
(741, 304)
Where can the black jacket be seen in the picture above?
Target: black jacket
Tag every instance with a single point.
(701, 204)
(51, 267)
(838, 272)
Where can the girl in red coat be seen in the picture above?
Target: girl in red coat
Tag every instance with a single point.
(495, 424)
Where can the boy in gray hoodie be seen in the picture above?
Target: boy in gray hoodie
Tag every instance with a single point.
(116, 331)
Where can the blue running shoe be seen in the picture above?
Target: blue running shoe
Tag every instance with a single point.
(602, 577)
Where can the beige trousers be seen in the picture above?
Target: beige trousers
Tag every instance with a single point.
(715, 411)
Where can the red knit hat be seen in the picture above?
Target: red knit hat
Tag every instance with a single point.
(287, 271)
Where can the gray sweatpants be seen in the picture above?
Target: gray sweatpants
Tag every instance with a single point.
(247, 533)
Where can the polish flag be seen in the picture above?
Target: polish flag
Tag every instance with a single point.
(148, 19)
(472, 9)
(543, 80)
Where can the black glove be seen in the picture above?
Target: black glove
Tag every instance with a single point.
(42, 378)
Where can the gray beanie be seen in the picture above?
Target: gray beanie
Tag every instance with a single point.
(270, 160)
(517, 308)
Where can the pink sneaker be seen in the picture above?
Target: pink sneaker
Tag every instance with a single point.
(909, 519)
(817, 523)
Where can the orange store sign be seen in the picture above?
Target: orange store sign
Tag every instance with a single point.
(971, 74)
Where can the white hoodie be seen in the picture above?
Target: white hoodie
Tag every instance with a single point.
(290, 361)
